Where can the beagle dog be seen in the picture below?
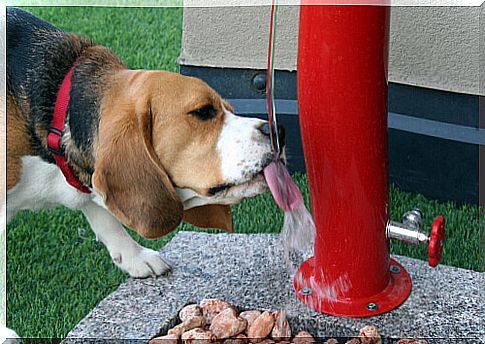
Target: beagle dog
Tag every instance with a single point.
(152, 148)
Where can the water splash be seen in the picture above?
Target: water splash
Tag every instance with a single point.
(328, 293)
(297, 237)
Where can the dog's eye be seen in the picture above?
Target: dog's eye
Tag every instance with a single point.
(205, 112)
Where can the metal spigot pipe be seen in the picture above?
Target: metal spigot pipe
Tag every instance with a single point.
(401, 232)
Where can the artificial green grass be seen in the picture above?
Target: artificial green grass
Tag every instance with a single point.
(57, 272)
(143, 38)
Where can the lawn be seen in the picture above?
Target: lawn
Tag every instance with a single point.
(57, 272)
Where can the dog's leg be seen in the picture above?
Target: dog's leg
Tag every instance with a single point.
(126, 253)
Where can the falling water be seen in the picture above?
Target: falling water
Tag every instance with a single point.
(297, 237)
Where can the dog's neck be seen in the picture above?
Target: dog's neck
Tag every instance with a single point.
(80, 140)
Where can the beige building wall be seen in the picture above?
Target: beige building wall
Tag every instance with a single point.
(434, 47)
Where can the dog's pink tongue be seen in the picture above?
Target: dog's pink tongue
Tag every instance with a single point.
(283, 188)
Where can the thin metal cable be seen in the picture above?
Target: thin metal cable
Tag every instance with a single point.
(270, 83)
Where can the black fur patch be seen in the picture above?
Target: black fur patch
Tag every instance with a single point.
(39, 56)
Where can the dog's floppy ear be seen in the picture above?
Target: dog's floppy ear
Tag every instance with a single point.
(129, 175)
(210, 216)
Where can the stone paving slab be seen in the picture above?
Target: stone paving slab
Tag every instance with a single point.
(249, 272)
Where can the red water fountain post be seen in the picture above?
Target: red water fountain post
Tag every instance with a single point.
(342, 95)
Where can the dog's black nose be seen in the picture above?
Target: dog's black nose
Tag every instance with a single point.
(265, 130)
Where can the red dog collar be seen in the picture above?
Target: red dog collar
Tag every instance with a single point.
(56, 131)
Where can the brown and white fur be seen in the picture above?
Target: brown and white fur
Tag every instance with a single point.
(155, 147)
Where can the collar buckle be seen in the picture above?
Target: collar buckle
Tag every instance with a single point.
(53, 142)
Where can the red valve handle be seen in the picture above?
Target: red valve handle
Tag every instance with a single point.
(436, 238)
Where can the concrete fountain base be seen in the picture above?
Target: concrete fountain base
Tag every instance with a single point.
(248, 271)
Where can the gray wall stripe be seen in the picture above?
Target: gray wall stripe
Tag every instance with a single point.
(442, 130)
(397, 121)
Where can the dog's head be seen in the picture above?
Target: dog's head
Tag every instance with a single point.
(169, 147)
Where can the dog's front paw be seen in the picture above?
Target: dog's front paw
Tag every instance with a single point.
(141, 262)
